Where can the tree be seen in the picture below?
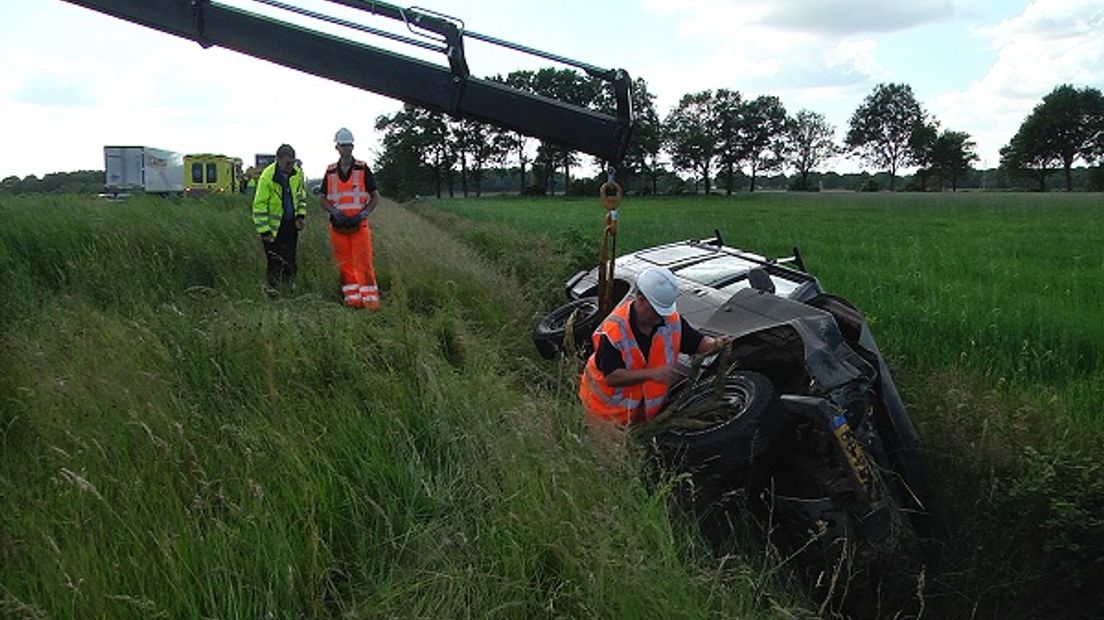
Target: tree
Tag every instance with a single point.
(811, 142)
(416, 144)
(511, 141)
(439, 149)
(729, 132)
(689, 135)
(1068, 125)
(401, 168)
(572, 87)
(921, 151)
(1030, 152)
(763, 135)
(77, 182)
(880, 129)
(481, 145)
(545, 164)
(642, 157)
(951, 156)
(517, 144)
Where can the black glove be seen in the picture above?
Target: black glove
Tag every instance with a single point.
(339, 220)
(359, 217)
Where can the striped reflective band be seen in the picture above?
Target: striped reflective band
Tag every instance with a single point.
(356, 193)
(668, 345)
(623, 343)
(617, 400)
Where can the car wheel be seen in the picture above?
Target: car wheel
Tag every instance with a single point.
(549, 332)
(752, 419)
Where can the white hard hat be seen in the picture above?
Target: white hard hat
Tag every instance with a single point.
(660, 289)
(343, 136)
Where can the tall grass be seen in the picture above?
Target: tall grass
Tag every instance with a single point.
(175, 444)
(988, 309)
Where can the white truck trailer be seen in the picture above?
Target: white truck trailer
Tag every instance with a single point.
(128, 169)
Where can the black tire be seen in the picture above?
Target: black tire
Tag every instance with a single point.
(849, 319)
(549, 332)
(733, 445)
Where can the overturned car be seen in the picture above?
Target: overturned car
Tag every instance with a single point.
(799, 425)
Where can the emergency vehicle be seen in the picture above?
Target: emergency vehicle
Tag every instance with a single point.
(206, 173)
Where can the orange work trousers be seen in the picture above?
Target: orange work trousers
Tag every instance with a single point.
(353, 252)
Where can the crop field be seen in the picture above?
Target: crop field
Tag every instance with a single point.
(175, 444)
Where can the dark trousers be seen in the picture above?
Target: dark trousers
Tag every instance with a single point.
(281, 254)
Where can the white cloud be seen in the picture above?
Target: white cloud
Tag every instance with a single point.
(745, 46)
(848, 17)
(124, 83)
(837, 18)
(855, 56)
(82, 92)
(1050, 43)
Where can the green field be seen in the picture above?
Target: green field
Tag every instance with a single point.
(174, 444)
(1005, 288)
(987, 307)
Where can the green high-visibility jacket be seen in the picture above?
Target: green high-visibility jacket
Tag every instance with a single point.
(268, 202)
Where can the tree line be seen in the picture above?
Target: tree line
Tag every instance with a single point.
(78, 182)
(719, 139)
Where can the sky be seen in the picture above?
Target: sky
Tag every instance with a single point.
(76, 80)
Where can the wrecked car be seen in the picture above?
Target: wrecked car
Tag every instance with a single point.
(806, 431)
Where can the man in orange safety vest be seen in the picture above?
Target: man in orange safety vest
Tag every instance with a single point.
(349, 194)
(636, 347)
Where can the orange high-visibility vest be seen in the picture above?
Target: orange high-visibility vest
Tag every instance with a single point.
(350, 196)
(633, 403)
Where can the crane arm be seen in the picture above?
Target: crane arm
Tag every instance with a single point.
(444, 89)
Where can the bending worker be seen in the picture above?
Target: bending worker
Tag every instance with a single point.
(349, 194)
(279, 213)
(636, 347)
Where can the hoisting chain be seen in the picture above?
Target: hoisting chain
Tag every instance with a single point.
(607, 248)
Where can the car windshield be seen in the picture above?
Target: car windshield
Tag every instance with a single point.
(717, 270)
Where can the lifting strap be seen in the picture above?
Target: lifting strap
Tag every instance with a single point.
(607, 248)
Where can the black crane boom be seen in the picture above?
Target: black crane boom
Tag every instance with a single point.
(444, 89)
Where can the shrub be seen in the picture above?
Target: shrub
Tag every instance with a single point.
(870, 185)
(1061, 494)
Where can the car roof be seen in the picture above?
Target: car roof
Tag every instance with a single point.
(682, 252)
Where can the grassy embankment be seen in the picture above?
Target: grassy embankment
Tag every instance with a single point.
(174, 444)
(988, 309)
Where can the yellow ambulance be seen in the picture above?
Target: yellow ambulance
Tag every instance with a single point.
(207, 173)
